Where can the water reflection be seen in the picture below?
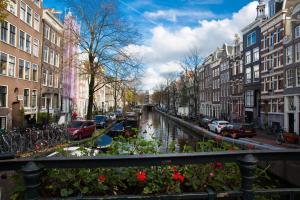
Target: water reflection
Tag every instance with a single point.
(155, 126)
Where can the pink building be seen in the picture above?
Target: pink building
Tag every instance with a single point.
(70, 65)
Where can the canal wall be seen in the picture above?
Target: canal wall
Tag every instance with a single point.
(286, 170)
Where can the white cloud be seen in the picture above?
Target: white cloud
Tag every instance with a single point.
(173, 14)
(163, 51)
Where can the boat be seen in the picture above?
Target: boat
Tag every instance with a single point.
(116, 130)
(103, 142)
(131, 120)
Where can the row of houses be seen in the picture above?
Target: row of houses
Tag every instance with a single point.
(40, 64)
(257, 78)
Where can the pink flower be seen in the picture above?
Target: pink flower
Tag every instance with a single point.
(219, 165)
(211, 174)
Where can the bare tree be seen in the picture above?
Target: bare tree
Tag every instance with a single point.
(103, 37)
(190, 64)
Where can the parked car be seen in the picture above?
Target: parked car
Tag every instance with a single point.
(81, 129)
(217, 126)
(101, 121)
(204, 122)
(112, 116)
(239, 130)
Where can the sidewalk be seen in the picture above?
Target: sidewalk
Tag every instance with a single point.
(264, 138)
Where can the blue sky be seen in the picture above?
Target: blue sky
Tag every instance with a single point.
(171, 28)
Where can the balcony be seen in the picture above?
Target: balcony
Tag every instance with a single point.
(246, 160)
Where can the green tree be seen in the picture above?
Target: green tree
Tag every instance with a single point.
(3, 5)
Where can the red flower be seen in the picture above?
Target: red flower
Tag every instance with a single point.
(212, 165)
(178, 177)
(101, 178)
(219, 165)
(141, 176)
(174, 169)
(250, 146)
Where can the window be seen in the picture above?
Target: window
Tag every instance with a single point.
(12, 7)
(45, 74)
(248, 57)
(297, 52)
(56, 81)
(33, 98)
(272, 40)
(29, 16)
(248, 75)
(51, 57)
(37, 2)
(56, 61)
(53, 36)
(290, 77)
(255, 54)
(256, 72)
(36, 25)
(22, 40)
(297, 31)
(46, 54)
(34, 72)
(26, 98)
(249, 98)
(12, 35)
(4, 31)
(3, 63)
(298, 76)
(28, 43)
(36, 48)
(251, 38)
(27, 70)
(274, 105)
(58, 41)
(278, 35)
(50, 79)
(3, 96)
(11, 66)
(266, 41)
(23, 11)
(47, 32)
(289, 56)
(2, 123)
(21, 68)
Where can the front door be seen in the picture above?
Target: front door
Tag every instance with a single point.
(291, 122)
(17, 117)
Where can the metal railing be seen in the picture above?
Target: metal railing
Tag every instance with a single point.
(247, 161)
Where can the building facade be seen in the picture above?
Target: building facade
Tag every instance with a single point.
(251, 60)
(20, 62)
(292, 72)
(272, 69)
(237, 83)
(51, 67)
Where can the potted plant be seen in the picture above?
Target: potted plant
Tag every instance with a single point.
(290, 137)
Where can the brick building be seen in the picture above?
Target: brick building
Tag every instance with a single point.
(51, 63)
(20, 62)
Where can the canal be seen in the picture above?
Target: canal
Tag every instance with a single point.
(154, 126)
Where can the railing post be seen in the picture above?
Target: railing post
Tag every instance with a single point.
(247, 167)
(31, 173)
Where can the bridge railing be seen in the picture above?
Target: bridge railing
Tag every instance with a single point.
(247, 161)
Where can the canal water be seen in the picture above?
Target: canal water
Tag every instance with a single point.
(154, 126)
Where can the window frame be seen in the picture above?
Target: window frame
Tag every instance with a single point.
(6, 97)
(28, 101)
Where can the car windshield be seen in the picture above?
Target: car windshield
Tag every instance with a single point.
(223, 123)
(248, 126)
(235, 125)
(100, 118)
(76, 124)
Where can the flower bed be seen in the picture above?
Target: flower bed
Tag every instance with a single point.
(147, 180)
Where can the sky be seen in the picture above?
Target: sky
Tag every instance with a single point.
(171, 28)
